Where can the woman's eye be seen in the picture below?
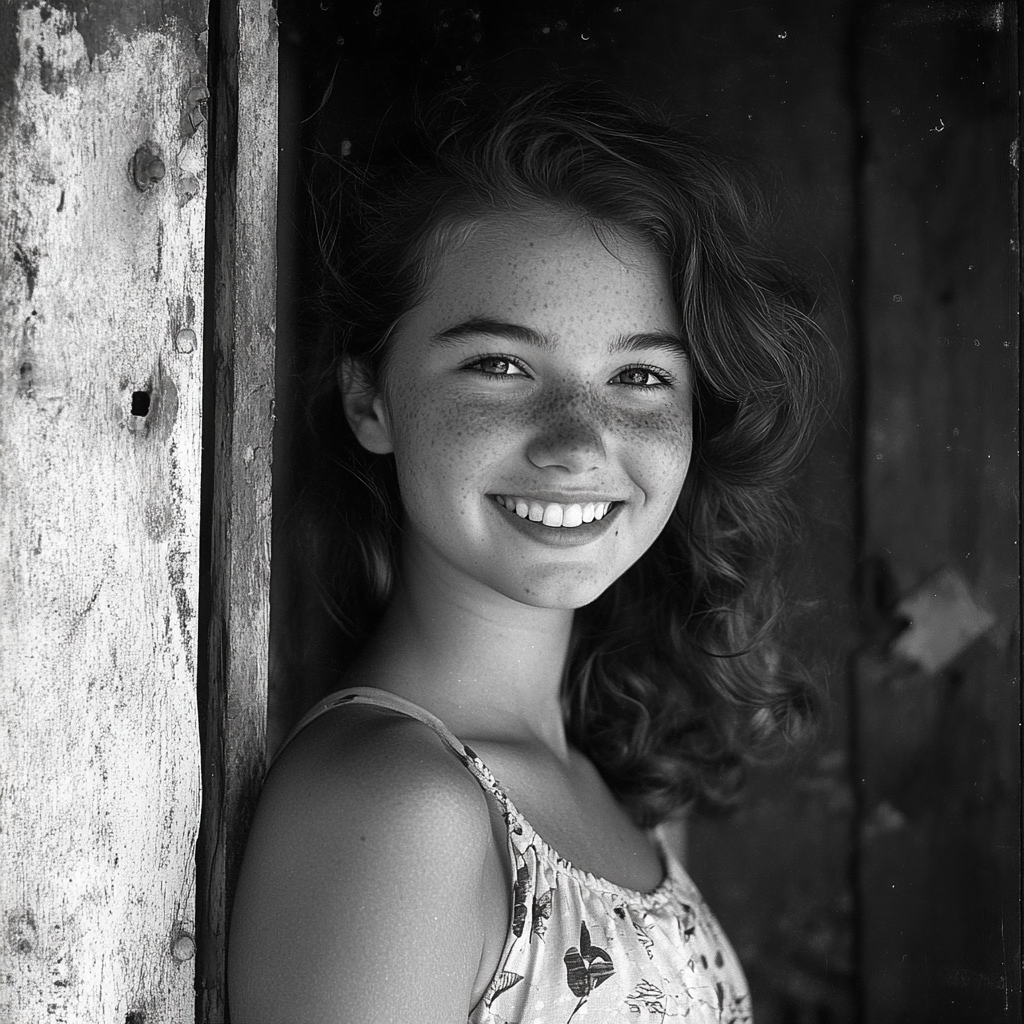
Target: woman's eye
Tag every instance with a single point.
(497, 366)
(641, 377)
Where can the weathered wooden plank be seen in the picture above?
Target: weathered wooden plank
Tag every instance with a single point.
(938, 751)
(243, 265)
(101, 313)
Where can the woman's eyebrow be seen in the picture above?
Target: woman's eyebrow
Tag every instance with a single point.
(495, 328)
(643, 341)
(649, 341)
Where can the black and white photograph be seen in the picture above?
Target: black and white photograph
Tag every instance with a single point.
(510, 512)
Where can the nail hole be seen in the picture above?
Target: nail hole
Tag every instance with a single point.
(140, 403)
(135, 1017)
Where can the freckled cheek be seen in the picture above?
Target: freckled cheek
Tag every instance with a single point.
(448, 444)
(660, 446)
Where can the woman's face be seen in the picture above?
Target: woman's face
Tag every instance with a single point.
(538, 404)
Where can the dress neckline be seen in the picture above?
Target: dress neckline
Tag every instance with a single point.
(671, 870)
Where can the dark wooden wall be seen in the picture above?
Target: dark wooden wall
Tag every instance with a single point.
(871, 878)
(937, 730)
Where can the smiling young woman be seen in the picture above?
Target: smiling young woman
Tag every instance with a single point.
(513, 377)
(568, 389)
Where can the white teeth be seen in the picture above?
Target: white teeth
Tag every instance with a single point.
(554, 514)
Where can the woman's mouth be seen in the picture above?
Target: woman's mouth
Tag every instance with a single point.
(553, 513)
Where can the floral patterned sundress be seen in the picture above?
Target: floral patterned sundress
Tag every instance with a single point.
(580, 948)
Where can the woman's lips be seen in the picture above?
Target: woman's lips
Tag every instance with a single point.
(556, 536)
(555, 514)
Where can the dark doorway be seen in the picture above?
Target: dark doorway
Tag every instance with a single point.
(874, 877)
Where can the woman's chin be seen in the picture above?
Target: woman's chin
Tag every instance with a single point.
(558, 590)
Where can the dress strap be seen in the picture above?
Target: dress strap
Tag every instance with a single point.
(391, 701)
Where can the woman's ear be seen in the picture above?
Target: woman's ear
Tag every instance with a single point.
(364, 408)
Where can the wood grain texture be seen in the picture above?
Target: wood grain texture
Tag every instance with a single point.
(99, 511)
(938, 753)
(244, 264)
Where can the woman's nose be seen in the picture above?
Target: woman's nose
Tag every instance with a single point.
(570, 438)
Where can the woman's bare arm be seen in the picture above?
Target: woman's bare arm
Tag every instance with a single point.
(362, 896)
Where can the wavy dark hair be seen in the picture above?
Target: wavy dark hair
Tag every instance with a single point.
(675, 675)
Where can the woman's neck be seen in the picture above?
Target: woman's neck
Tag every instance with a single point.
(486, 665)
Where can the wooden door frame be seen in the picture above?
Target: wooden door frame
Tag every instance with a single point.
(235, 589)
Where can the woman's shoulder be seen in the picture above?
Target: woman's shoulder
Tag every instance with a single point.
(366, 826)
(364, 760)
